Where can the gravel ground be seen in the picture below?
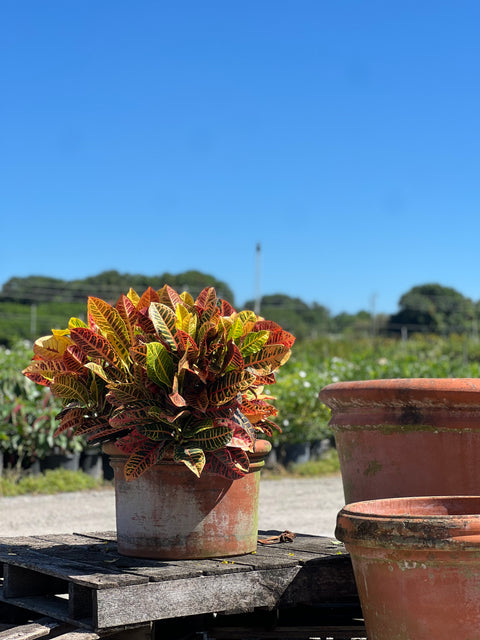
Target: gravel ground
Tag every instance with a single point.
(302, 505)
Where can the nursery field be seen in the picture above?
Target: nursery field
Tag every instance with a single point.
(27, 411)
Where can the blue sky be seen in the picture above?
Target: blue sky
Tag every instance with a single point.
(155, 136)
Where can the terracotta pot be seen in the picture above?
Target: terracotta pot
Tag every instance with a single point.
(169, 513)
(406, 437)
(417, 566)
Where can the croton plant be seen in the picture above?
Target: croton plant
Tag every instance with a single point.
(162, 374)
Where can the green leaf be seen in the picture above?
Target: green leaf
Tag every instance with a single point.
(98, 370)
(236, 329)
(213, 438)
(192, 457)
(157, 431)
(160, 367)
(75, 323)
(253, 342)
(163, 319)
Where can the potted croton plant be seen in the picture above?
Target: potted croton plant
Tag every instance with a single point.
(174, 390)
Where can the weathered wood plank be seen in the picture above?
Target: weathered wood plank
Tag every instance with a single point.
(159, 600)
(30, 631)
(99, 576)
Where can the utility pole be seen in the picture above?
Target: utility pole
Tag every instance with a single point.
(373, 316)
(258, 295)
(33, 320)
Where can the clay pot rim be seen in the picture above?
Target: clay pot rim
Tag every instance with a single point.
(398, 391)
(412, 521)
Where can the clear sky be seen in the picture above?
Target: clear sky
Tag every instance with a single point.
(150, 136)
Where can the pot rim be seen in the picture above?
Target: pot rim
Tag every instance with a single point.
(398, 391)
(424, 521)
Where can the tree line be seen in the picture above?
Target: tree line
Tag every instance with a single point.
(32, 306)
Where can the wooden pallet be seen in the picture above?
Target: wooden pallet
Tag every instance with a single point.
(83, 581)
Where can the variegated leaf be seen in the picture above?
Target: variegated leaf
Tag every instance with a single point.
(69, 387)
(111, 325)
(226, 309)
(130, 418)
(235, 330)
(127, 393)
(160, 367)
(128, 313)
(186, 343)
(47, 369)
(233, 358)
(37, 378)
(212, 439)
(146, 299)
(163, 319)
(139, 355)
(169, 296)
(142, 459)
(186, 321)
(229, 463)
(75, 323)
(271, 354)
(281, 337)
(133, 296)
(71, 419)
(94, 367)
(95, 428)
(229, 385)
(267, 427)
(51, 347)
(253, 342)
(247, 316)
(74, 358)
(207, 304)
(93, 344)
(187, 298)
(193, 458)
(157, 431)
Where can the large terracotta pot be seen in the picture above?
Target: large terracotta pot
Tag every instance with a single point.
(169, 513)
(417, 566)
(406, 437)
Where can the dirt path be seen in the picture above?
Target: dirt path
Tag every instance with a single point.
(300, 505)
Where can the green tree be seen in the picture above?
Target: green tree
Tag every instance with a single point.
(108, 285)
(433, 308)
(294, 315)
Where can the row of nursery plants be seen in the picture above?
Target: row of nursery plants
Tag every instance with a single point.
(28, 411)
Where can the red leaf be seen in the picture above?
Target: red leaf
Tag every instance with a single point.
(226, 308)
(148, 296)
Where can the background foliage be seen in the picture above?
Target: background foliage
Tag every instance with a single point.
(437, 324)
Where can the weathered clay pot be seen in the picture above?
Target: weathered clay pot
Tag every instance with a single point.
(417, 566)
(406, 437)
(169, 513)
